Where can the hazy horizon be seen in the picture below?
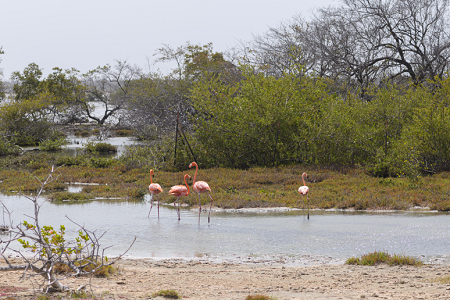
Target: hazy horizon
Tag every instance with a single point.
(85, 35)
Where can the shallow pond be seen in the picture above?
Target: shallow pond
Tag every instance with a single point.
(276, 237)
(75, 144)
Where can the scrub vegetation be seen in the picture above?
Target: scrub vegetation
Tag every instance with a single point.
(99, 147)
(170, 294)
(375, 258)
(442, 280)
(259, 297)
(330, 187)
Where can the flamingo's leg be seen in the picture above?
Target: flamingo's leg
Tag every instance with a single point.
(307, 201)
(178, 200)
(158, 204)
(151, 205)
(199, 209)
(209, 214)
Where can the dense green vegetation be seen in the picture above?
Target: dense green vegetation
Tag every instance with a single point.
(264, 121)
(99, 147)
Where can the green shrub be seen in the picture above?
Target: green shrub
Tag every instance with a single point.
(261, 120)
(8, 148)
(102, 162)
(23, 122)
(61, 196)
(124, 132)
(172, 294)
(80, 295)
(99, 147)
(161, 154)
(443, 206)
(259, 297)
(52, 145)
(34, 165)
(137, 192)
(82, 133)
(376, 258)
(353, 261)
(102, 272)
(79, 160)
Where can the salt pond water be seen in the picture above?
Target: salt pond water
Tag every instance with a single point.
(275, 237)
(75, 144)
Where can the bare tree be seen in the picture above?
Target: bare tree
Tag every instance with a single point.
(390, 37)
(279, 50)
(167, 54)
(362, 42)
(157, 103)
(341, 53)
(2, 86)
(153, 107)
(49, 248)
(109, 86)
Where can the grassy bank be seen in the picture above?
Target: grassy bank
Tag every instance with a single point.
(349, 188)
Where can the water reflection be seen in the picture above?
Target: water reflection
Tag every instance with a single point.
(74, 188)
(75, 145)
(284, 237)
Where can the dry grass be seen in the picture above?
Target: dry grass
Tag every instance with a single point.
(442, 280)
(376, 258)
(171, 294)
(259, 297)
(9, 291)
(100, 271)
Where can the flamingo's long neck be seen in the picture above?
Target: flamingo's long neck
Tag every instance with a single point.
(151, 176)
(185, 176)
(303, 178)
(196, 170)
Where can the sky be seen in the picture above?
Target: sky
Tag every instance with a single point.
(86, 34)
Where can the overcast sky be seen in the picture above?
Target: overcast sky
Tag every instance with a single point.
(86, 34)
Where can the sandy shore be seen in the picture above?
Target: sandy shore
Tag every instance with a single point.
(139, 279)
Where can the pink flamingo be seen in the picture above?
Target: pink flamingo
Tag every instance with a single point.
(201, 187)
(154, 189)
(180, 190)
(304, 190)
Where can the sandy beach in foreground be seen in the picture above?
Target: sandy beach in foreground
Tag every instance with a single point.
(141, 278)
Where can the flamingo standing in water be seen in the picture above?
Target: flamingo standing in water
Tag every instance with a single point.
(201, 187)
(304, 190)
(180, 190)
(154, 189)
